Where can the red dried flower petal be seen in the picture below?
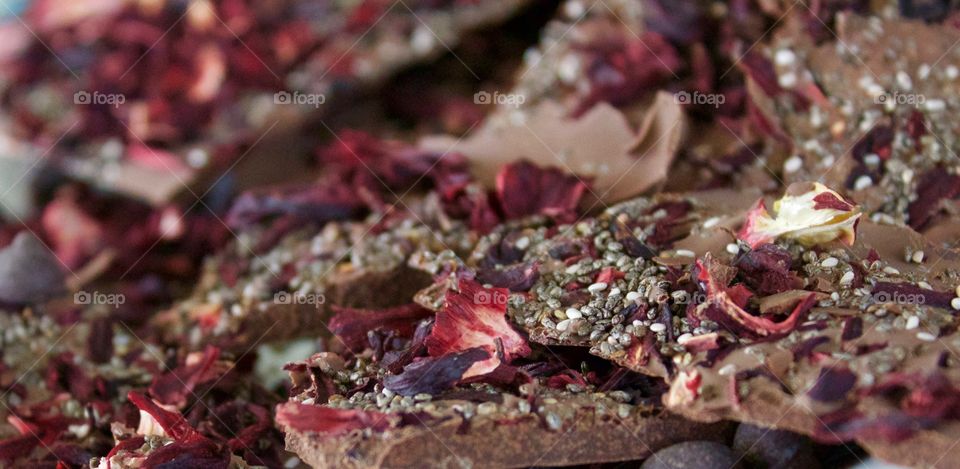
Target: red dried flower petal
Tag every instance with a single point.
(172, 422)
(524, 189)
(330, 421)
(174, 387)
(474, 316)
(884, 292)
(517, 278)
(833, 384)
(351, 324)
(766, 269)
(935, 186)
(725, 305)
(433, 375)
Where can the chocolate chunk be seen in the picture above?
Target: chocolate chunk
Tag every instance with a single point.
(29, 272)
(770, 448)
(694, 454)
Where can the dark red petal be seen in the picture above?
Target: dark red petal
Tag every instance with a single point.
(172, 422)
(516, 278)
(525, 189)
(827, 200)
(177, 385)
(351, 324)
(766, 270)
(889, 292)
(475, 317)
(935, 186)
(852, 329)
(433, 375)
(833, 384)
(330, 421)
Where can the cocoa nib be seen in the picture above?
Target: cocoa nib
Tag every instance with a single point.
(433, 375)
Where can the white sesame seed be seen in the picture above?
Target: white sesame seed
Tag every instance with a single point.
(926, 336)
(862, 182)
(787, 80)
(684, 253)
(684, 338)
(891, 270)
(835, 296)
(597, 287)
(829, 262)
(523, 243)
(935, 105)
(784, 57)
(711, 222)
(573, 313)
(563, 325)
(727, 370)
(614, 291)
(658, 327)
(917, 257)
(924, 285)
(904, 80)
(633, 296)
(957, 291)
(955, 303)
(923, 71)
(913, 322)
(793, 164)
(847, 277)
(733, 248)
(952, 72)
(871, 159)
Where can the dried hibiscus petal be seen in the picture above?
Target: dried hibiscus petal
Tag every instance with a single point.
(174, 387)
(766, 269)
(433, 375)
(809, 213)
(330, 421)
(172, 423)
(832, 385)
(725, 305)
(517, 278)
(351, 324)
(472, 317)
(525, 189)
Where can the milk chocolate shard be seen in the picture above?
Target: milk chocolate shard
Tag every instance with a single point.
(499, 432)
(866, 112)
(871, 362)
(604, 283)
(263, 288)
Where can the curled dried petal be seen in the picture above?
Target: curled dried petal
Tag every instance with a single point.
(472, 317)
(809, 213)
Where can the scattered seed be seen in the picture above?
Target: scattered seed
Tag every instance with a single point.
(926, 336)
(658, 327)
(597, 287)
(917, 257)
(573, 313)
(955, 303)
(733, 248)
(913, 322)
(684, 253)
(829, 262)
(847, 278)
